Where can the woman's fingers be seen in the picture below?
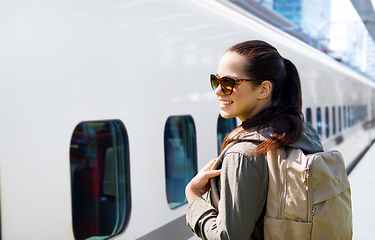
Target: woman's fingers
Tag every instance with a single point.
(199, 185)
(212, 173)
(209, 165)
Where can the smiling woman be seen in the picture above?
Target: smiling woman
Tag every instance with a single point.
(263, 90)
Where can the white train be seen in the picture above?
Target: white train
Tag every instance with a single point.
(107, 111)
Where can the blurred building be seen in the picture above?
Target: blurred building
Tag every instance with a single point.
(310, 21)
(309, 15)
(370, 56)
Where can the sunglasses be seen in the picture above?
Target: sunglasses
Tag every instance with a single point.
(226, 83)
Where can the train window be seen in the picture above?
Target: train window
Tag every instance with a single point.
(333, 120)
(365, 112)
(100, 181)
(363, 108)
(180, 150)
(348, 116)
(327, 122)
(308, 116)
(345, 119)
(353, 115)
(224, 127)
(340, 119)
(319, 121)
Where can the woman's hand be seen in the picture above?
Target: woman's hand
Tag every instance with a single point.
(199, 185)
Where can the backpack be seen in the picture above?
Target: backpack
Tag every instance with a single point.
(308, 196)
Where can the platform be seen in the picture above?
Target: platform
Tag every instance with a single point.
(362, 180)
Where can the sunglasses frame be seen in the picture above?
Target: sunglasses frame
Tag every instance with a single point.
(227, 91)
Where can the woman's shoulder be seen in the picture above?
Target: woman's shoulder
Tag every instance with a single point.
(242, 147)
(239, 158)
(250, 140)
(241, 152)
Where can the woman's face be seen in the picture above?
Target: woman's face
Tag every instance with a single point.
(246, 100)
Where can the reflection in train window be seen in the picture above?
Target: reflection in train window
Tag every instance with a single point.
(180, 150)
(224, 127)
(100, 181)
(319, 121)
(308, 116)
(333, 120)
(340, 119)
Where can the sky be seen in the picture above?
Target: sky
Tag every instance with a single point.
(343, 10)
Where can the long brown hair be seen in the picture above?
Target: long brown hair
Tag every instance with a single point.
(284, 116)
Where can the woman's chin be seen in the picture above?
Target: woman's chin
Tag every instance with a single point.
(226, 115)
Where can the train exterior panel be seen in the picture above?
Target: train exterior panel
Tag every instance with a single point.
(136, 63)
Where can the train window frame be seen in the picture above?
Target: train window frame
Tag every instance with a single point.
(99, 156)
(224, 127)
(180, 148)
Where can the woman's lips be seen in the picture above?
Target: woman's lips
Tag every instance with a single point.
(225, 103)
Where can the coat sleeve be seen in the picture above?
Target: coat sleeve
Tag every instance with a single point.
(243, 196)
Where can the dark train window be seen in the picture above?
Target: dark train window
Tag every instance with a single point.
(180, 151)
(348, 116)
(319, 121)
(333, 120)
(224, 127)
(340, 119)
(365, 112)
(327, 122)
(345, 119)
(100, 179)
(308, 116)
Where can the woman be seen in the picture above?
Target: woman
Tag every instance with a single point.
(262, 89)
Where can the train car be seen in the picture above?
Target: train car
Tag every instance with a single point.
(107, 111)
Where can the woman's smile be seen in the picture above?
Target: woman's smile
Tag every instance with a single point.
(225, 103)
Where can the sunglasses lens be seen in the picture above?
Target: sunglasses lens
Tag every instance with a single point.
(214, 81)
(227, 85)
